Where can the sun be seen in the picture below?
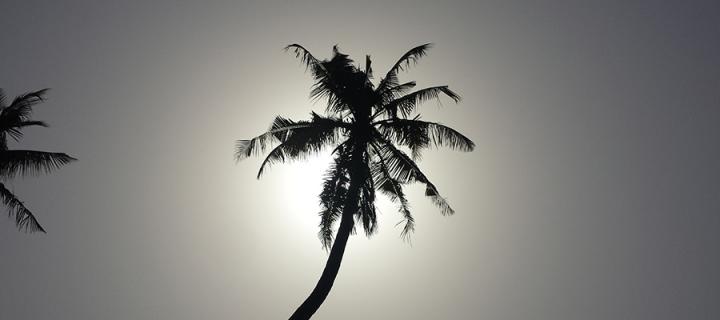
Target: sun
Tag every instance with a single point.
(301, 185)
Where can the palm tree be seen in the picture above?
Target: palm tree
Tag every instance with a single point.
(13, 119)
(365, 124)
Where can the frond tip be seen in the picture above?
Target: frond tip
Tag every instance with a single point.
(303, 54)
(411, 57)
(332, 198)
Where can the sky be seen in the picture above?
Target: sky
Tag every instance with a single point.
(593, 193)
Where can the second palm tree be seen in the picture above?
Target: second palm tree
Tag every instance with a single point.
(13, 119)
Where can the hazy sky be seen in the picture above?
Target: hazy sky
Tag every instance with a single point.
(594, 192)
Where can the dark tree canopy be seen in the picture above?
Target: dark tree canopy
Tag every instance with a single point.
(14, 118)
(379, 119)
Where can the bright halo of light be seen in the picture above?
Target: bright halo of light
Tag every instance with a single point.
(300, 188)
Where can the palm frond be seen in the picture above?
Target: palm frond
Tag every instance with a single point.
(407, 103)
(30, 98)
(14, 130)
(406, 60)
(24, 162)
(24, 218)
(391, 94)
(416, 134)
(310, 62)
(329, 91)
(403, 169)
(400, 89)
(257, 145)
(301, 142)
(389, 81)
(21, 106)
(366, 207)
(33, 123)
(411, 57)
(393, 189)
(335, 79)
(325, 86)
(332, 197)
(17, 114)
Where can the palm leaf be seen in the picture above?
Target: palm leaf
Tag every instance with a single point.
(409, 58)
(257, 145)
(14, 130)
(391, 187)
(407, 103)
(308, 60)
(29, 99)
(402, 168)
(415, 134)
(33, 123)
(412, 135)
(330, 77)
(17, 114)
(24, 162)
(389, 81)
(400, 89)
(301, 142)
(391, 94)
(366, 206)
(24, 219)
(332, 197)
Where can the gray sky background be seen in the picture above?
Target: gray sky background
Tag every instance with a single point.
(594, 192)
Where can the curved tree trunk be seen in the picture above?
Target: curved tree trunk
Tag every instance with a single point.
(323, 286)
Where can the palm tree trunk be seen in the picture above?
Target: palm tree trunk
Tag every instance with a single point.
(332, 266)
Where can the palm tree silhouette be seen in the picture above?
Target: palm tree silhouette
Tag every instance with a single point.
(364, 122)
(13, 119)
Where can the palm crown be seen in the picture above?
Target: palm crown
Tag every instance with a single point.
(366, 124)
(13, 119)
